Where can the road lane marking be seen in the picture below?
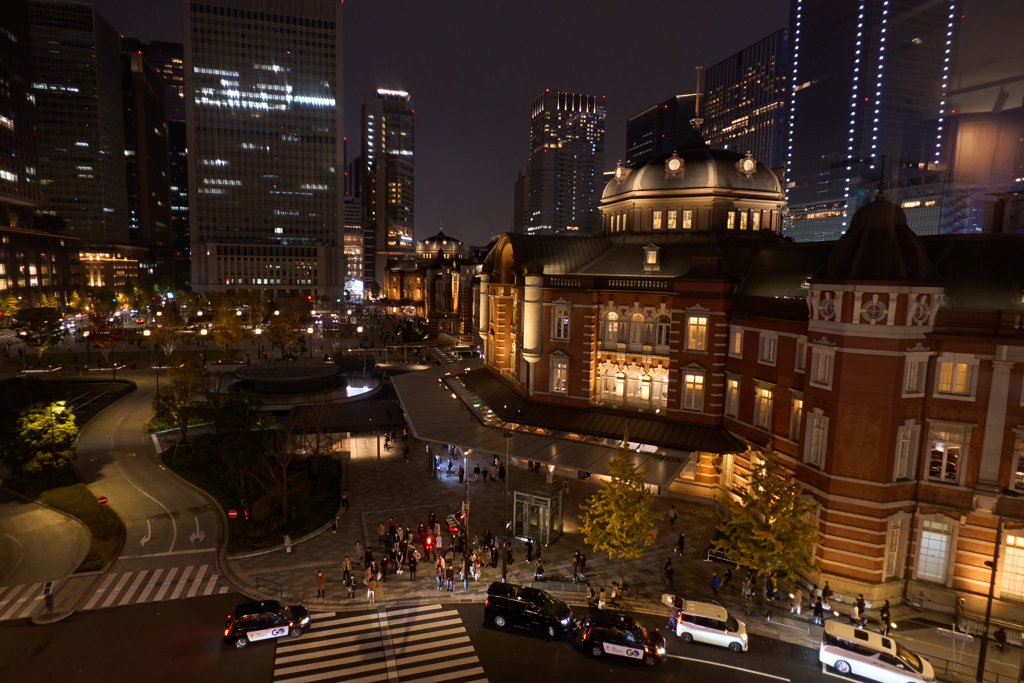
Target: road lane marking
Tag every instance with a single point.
(345, 661)
(408, 649)
(728, 666)
(190, 551)
(181, 583)
(149, 586)
(14, 591)
(117, 589)
(20, 602)
(413, 610)
(99, 592)
(31, 605)
(174, 525)
(447, 664)
(149, 534)
(134, 587)
(199, 579)
(224, 589)
(389, 648)
(167, 584)
(314, 644)
(210, 584)
(424, 636)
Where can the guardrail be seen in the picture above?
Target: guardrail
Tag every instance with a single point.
(974, 624)
(718, 556)
(269, 586)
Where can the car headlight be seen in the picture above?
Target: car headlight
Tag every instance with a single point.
(661, 649)
(743, 636)
(305, 620)
(565, 622)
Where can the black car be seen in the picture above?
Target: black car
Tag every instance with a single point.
(614, 633)
(510, 605)
(261, 620)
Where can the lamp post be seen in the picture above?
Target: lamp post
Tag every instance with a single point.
(54, 410)
(202, 333)
(145, 333)
(309, 331)
(259, 344)
(86, 335)
(504, 517)
(994, 563)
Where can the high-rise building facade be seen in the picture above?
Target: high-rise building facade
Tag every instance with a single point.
(76, 82)
(19, 191)
(566, 163)
(146, 154)
(388, 184)
(521, 201)
(870, 80)
(659, 129)
(746, 99)
(263, 84)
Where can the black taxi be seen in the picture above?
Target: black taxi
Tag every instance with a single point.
(614, 633)
(262, 620)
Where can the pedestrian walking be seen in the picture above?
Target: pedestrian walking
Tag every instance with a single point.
(384, 568)
(819, 611)
(529, 551)
(359, 553)
(797, 603)
(714, 584)
(672, 516)
(371, 591)
(367, 575)
(485, 475)
(380, 534)
(449, 575)
(440, 574)
(351, 586)
(727, 579)
(681, 543)
(344, 499)
(501, 473)
(885, 616)
(287, 544)
(602, 599)
(747, 590)
(476, 472)
(321, 585)
(334, 525)
(1000, 636)
(463, 569)
(668, 574)
(583, 565)
(826, 595)
(412, 567)
(616, 594)
(346, 569)
(590, 596)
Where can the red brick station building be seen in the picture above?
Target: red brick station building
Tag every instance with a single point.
(886, 368)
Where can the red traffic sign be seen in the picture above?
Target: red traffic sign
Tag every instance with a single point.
(102, 500)
(232, 513)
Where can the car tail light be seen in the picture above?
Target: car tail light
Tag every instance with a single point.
(487, 601)
(227, 630)
(586, 636)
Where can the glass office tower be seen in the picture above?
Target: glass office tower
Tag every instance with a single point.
(660, 129)
(869, 81)
(263, 84)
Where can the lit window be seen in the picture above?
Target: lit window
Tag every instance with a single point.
(743, 220)
(663, 332)
(954, 378)
(560, 324)
(736, 343)
(795, 416)
(1013, 567)
(611, 329)
(687, 220)
(696, 332)
(732, 397)
(768, 344)
(906, 449)
(730, 221)
(659, 391)
(945, 459)
(817, 432)
(763, 407)
(755, 220)
(671, 220)
(657, 220)
(559, 375)
(693, 391)
(933, 556)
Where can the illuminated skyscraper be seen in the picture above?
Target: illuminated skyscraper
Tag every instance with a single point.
(870, 79)
(76, 83)
(263, 85)
(19, 191)
(389, 179)
(659, 129)
(566, 164)
(747, 95)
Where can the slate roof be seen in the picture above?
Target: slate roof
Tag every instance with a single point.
(512, 406)
(558, 254)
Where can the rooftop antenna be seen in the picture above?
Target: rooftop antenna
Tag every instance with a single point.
(696, 121)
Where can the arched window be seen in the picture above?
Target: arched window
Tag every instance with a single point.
(608, 385)
(636, 330)
(663, 332)
(659, 391)
(611, 328)
(632, 392)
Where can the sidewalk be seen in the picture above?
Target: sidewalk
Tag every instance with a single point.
(406, 490)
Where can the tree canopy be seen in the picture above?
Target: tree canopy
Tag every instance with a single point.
(39, 327)
(618, 518)
(768, 530)
(46, 440)
(282, 331)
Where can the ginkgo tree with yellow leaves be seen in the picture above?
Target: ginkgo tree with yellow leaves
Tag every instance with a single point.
(769, 530)
(618, 519)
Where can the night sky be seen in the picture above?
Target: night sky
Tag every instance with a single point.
(474, 67)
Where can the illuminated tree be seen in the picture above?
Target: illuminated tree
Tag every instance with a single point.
(282, 331)
(768, 531)
(618, 519)
(227, 328)
(39, 328)
(177, 403)
(46, 440)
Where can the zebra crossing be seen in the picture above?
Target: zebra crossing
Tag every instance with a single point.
(133, 588)
(18, 602)
(426, 644)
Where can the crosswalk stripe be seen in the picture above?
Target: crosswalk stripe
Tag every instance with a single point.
(420, 627)
(31, 606)
(107, 580)
(181, 582)
(399, 651)
(448, 664)
(134, 587)
(310, 678)
(413, 610)
(224, 589)
(20, 602)
(210, 584)
(313, 644)
(430, 634)
(167, 584)
(344, 661)
(117, 589)
(10, 595)
(349, 629)
(321, 615)
(149, 586)
(438, 678)
(348, 620)
(199, 579)
(422, 617)
(402, 661)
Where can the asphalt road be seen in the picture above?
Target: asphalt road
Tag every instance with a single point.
(117, 459)
(181, 641)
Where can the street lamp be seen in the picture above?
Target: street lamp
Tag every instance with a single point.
(309, 331)
(146, 333)
(259, 345)
(53, 421)
(86, 335)
(202, 333)
(994, 563)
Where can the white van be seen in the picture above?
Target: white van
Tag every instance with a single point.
(710, 623)
(871, 655)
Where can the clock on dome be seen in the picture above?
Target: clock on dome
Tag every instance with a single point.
(747, 165)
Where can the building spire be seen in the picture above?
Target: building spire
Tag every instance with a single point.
(697, 121)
